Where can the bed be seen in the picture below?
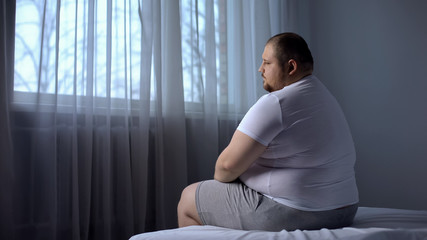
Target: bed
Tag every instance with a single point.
(369, 223)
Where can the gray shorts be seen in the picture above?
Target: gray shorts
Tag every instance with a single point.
(234, 205)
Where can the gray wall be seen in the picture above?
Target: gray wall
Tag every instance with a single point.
(372, 55)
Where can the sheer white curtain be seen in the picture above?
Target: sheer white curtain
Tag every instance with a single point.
(115, 106)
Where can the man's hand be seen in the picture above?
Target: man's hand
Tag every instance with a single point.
(237, 157)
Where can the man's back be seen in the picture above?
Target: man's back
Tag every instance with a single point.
(309, 161)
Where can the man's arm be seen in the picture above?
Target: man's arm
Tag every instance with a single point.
(237, 157)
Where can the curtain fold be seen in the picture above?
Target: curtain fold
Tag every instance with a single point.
(140, 134)
(110, 108)
(170, 129)
(210, 98)
(7, 179)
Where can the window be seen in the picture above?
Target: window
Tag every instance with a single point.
(53, 55)
(193, 27)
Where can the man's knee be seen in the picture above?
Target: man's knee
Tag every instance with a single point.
(188, 197)
(187, 210)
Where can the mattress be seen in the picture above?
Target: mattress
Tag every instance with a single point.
(369, 223)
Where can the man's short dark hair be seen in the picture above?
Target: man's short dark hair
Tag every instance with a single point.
(292, 46)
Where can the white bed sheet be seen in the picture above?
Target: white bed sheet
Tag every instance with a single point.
(370, 223)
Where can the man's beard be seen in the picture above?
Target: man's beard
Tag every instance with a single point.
(267, 86)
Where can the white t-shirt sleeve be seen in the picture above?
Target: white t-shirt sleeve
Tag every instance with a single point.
(263, 121)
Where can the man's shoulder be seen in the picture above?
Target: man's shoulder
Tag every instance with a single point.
(272, 97)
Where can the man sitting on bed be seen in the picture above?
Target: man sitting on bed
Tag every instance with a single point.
(290, 163)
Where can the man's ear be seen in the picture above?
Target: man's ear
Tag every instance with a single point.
(293, 66)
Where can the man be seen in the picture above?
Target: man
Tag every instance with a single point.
(290, 163)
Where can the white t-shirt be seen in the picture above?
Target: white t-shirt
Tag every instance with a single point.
(310, 155)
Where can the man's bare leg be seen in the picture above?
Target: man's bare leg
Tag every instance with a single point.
(187, 211)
